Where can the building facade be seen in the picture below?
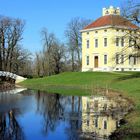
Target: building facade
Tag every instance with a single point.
(108, 43)
(101, 116)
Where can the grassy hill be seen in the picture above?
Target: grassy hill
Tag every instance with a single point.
(82, 83)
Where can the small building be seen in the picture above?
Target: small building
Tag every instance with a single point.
(108, 43)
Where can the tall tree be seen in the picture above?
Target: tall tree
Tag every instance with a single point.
(48, 41)
(74, 39)
(20, 61)
(51, 59)
(38, 64)
(57, 52)
(11, 31)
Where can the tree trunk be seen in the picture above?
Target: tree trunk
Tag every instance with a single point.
(72, 104)
(3, 49)
(0, 58)
(72, 60)
(79, 104)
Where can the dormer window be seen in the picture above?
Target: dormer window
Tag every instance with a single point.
(107, 12)
(115, 12)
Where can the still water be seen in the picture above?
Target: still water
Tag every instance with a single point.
(35, 115)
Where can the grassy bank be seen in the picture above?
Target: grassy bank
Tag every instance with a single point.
(77, 83)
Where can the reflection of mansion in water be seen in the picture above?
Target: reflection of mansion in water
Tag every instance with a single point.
(97, 118)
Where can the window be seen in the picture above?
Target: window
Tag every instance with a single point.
(87, 43)
(87, 33)
(105, 59)
(96, 43)
(96, 122)
(117, 58)
(115, 12)
(130, 42)
(105, 106)
(96, 104)
(87, 60)
(122, 59)
(106, 12)
(132, 60)
(105, 125)
(117, 41)
(88, 105)
(105, 42)
(88, 118)
(87, 122)
(96, 31)
(135, 60)
(105, 30)
(122, 42)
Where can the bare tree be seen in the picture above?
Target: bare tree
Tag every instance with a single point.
(74, 39)
(131, 11)
(57, 52)
(131, 37)
(52, 57)
(48, 41)
(10, 35)
(38, 64)
(22, 61)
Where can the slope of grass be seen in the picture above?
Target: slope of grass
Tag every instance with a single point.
(79, 83)
(76, 79)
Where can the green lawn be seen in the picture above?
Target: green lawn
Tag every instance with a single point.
(79, 83)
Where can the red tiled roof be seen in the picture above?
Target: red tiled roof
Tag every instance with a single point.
(113, 20)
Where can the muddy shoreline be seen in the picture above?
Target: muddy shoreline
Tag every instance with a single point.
(6, 86)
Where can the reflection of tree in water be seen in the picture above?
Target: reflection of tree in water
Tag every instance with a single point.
(56, 108)
(74, 121)
(51, 109)
(9, 127)
(72, 130)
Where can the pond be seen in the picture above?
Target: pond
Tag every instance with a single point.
(36, 115)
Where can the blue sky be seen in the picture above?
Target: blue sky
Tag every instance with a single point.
(52, 14)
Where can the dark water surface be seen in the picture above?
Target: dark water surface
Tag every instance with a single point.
(34, 115)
